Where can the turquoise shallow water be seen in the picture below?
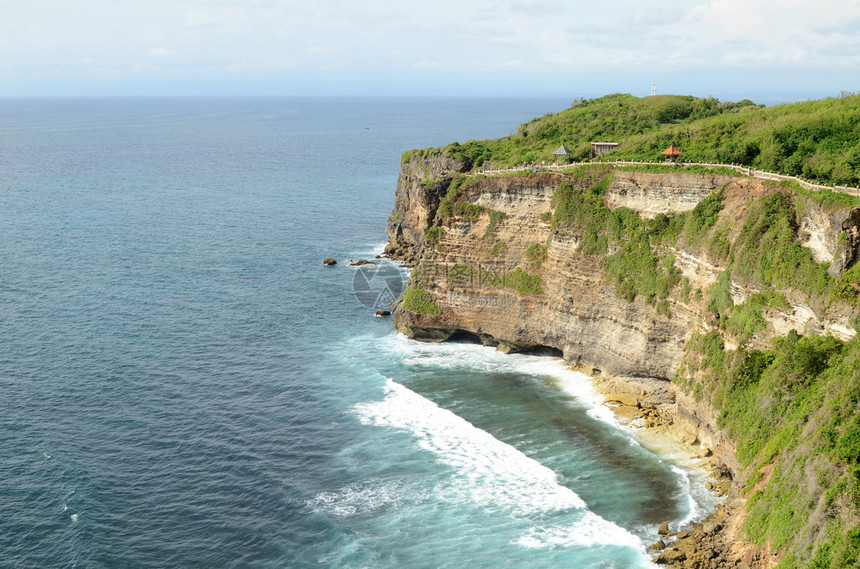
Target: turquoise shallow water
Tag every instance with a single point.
(183, 384)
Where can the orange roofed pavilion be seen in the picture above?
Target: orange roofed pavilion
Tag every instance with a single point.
(671, 151)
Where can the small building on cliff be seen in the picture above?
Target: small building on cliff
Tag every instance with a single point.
(598, 149)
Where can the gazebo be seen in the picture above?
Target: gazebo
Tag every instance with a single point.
(562, 151)
(672, 152)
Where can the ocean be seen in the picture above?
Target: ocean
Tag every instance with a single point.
(184, 384)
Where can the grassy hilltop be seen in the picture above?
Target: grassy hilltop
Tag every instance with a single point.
(816, 140)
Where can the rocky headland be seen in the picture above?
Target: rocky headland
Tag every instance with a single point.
(631, 276)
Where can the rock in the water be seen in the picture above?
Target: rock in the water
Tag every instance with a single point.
(381, 313)
(659, 546)
(361, 262)
(329, 261)
(683, 534)
(664, 529)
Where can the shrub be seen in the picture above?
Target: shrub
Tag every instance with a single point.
(747, 318)
(498, 248)
(766, 251)
(700, 220)
(469, 210)
(721, 294)
(446, 205)
(419, 301)
(523, 282)
(637, 271)
(786, 406)
(848, 446)
(434, 235)
(496, 217)
(536, 253)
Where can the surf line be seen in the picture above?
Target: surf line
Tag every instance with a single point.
(492, 474)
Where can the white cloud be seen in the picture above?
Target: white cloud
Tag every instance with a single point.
(538, 8)
(162, 52)
(328, 49)
(425, 64)
(392, 38)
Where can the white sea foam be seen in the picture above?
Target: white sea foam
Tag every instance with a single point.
(74, 518)
(685, 492)
(496, 475)
(696, 500)
(364, 498)
(590, 531)
(603, 413)
(492, 474)
(487, 359)
(368, 251)
(378, 248)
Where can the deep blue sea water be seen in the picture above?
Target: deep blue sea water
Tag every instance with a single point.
(184, 384)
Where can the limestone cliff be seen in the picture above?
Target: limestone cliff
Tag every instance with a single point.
(508, 260)
(466, 265)
(577, 311)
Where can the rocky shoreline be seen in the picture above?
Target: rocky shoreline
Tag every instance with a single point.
(649, 407)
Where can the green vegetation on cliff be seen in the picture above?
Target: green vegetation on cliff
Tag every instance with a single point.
(419, 301)
(522, 282)
(764, 250)
(794, 412)
(453, 204)
(794, 409)
(536, 253)
(517, 279)
(816, 140)
(641, 265)
(611, 118)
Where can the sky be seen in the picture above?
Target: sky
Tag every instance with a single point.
(765, 50)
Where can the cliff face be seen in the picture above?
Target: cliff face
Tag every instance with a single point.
(421, 185)
(577, 311)
(473, 265)
(650, 194)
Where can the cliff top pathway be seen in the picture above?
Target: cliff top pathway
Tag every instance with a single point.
(745, 170)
